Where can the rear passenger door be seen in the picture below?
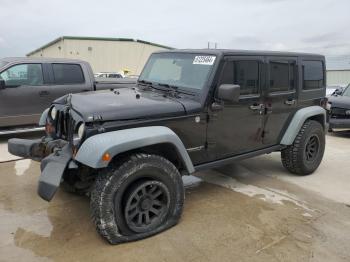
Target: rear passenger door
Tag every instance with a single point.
(67, 78)
(280, 97)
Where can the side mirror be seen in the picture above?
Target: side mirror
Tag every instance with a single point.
(229, 93)
(2, 84)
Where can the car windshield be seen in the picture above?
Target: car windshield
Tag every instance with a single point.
(183, 70)
(347, 91)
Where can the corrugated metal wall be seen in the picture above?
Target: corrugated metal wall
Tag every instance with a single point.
(110, 56)
(338, 77)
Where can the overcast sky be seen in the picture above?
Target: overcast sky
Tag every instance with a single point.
(294, 25)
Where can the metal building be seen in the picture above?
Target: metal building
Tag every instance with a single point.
(104, 54)
(338, 70)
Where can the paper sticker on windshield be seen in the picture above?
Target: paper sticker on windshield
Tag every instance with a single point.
(204, 60)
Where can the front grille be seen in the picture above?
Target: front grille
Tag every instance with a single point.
(339, 113)
(64, 125)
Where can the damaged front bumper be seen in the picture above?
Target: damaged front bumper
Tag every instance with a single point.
(54, 155)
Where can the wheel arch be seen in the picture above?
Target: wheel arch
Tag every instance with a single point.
(154, 140)
(166, 150)
(316, 113)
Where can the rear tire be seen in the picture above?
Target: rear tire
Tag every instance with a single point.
(137, 199)
(305, 155)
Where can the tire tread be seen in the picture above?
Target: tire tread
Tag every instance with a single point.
(292, 156)
(98, 195)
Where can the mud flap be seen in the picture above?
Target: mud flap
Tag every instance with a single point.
(52, 169)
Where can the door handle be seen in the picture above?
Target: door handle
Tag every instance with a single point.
(44, 93)
(290, 102)
(257, 107)
(216, 107)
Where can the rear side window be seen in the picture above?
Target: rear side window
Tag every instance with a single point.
(67, 74)
(313, 75)
(243, 73)
(282, 76)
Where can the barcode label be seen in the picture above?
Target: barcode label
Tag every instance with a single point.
(204, 60)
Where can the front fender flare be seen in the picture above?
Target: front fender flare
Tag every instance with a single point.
(116, 142)
(298, 120)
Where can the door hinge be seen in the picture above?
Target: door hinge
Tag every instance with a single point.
(212, 117)
(209, 144)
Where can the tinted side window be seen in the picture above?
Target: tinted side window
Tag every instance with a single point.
(67, 74)
(23, 74)
(313, 75)
(282, 74)
(243, 73)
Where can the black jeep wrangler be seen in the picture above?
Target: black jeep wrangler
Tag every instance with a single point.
(190, 110)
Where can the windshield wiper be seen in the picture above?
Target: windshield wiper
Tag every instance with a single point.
(175, 89)
(144, 82)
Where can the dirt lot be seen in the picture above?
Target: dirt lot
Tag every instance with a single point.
(250, 211)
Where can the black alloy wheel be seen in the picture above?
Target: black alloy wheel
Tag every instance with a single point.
(312, 148)
(147, 204)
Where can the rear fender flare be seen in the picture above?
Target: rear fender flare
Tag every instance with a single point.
(92, 150)
(299, 119)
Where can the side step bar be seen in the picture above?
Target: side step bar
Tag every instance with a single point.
(21, 130)
(229, 160)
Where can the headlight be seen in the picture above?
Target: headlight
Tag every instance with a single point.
(53, 113)
(329, 106)
(81, 130)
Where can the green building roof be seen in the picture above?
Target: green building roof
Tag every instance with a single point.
(98, 39)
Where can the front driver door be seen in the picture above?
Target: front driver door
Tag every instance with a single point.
(237, 127)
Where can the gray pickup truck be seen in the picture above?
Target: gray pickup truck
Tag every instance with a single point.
(29, 85)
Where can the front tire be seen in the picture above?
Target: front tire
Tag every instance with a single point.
(137, 199)
(305, 155)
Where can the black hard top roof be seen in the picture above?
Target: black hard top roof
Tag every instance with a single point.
(239, 52)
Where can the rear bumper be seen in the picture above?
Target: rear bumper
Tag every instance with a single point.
(53, 165)
(337, 123)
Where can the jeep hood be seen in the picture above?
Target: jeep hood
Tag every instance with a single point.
(128, 104)
(340, 101)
